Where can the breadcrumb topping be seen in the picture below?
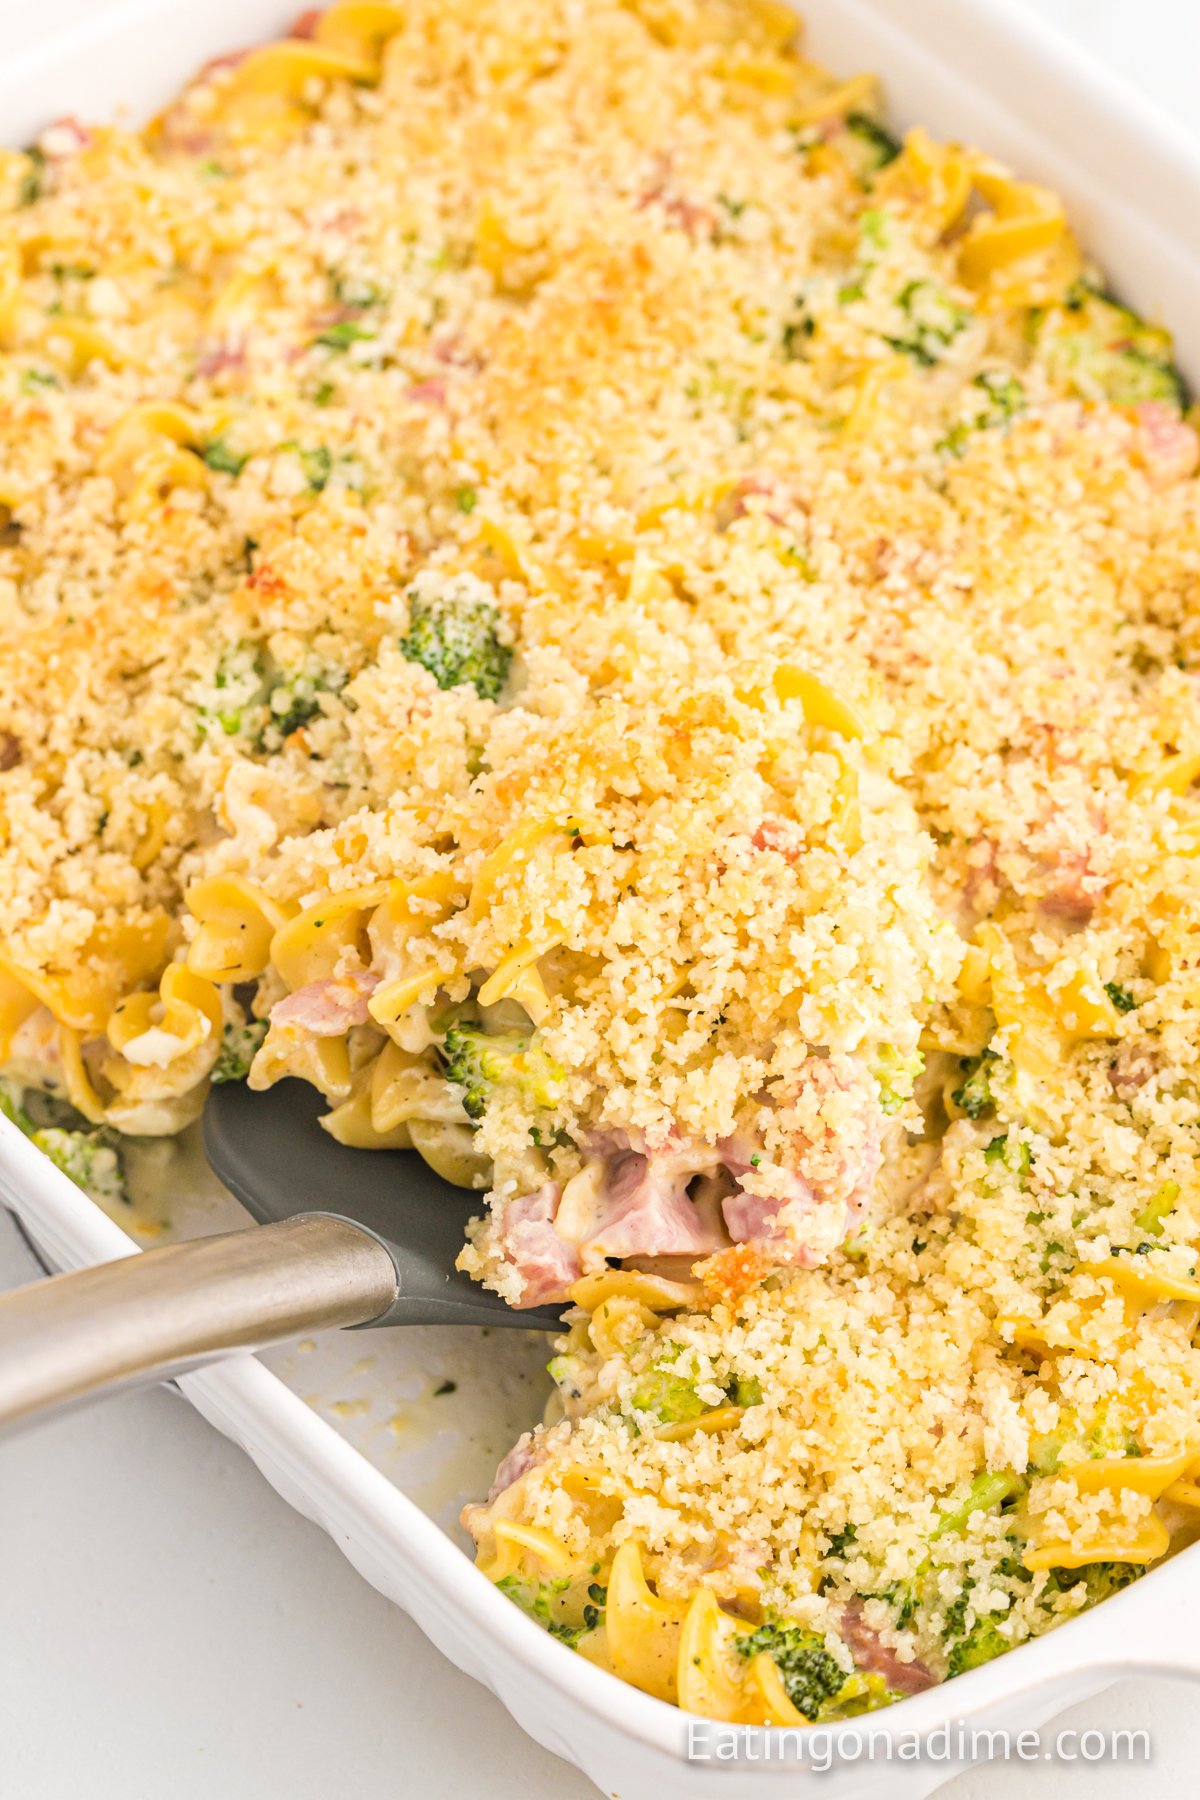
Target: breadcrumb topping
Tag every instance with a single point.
(753, 565)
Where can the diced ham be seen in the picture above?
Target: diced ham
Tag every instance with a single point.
(450, 349)
(1133, 1066)
(834, 1157)
(1069, 900)
(1056, 860)
(1067, 871)
(981, 885)
(784, 836)
(859, 1197)
(785, 1223)
(335, 315)
(624, 1203)
(733, 1568)
(216, 65)
(180, 132)
(344, 222)
(548, 1267)
(524, 1455)
(736, 504)
(328, 1008)
(778, 1224)
(1170, 448)
(646, 1212)
(220, 359)
(504, 1500)
(678, 1197)
(877, 1658)
(687, 215)
(65, 137)
(428, 393)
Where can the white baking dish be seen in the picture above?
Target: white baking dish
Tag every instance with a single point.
(968, 68)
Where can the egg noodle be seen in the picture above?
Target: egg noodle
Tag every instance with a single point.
(562, 585)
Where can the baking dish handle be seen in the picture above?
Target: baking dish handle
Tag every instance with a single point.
(143, 1319)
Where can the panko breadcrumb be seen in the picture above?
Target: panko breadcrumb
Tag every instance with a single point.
(669, 616)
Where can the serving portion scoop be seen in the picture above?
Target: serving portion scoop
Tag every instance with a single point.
(345, 1238)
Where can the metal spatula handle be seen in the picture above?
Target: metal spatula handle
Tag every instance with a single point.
(145, 1318)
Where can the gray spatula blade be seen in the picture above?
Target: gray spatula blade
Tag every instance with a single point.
(270, 1151)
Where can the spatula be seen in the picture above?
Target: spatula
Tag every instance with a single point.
(345, 1238)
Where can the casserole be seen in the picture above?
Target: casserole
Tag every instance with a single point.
(1126, 241)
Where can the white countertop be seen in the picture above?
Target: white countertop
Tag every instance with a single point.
(172, 1628)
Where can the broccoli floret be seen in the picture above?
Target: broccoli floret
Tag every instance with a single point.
(1015, 1156)
(11, 1107)
(896, 1075)
(454, 632)
(480, 1062)
(292, 702)
(355, 290)
(1105, 1578)
(221, 458)
(934, 321)
(841, 1546)
(1102, 350)
(1099, 1580)
(813, 1678)
(969, 1647)
(239, 1046)
(975, 1096)
(986, 1493)
(593, 1611)
(874, 236)
(240, 681)
(901, 1596)
(1160, 1205)
(1045, 1452)
(89, 1158)
(797, 330)
(263, 703)
(744, 1390)
(858, 1244)
(1004, 398)
(33, 180)
(670, 1397)
(874, 233)
(875, 147)
(842, 1541)
(546, 1602)
(1056, 1261)
(1111, 1437)
(566, 1372)
(318, 467)
(343, 334)
(663, 1391)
